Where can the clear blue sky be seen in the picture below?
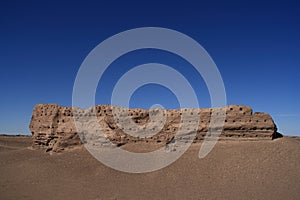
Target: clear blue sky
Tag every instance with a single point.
(255, 45)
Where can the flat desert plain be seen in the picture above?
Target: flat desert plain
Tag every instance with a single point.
(232, 170)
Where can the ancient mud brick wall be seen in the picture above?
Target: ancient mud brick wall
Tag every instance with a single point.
(53, 126)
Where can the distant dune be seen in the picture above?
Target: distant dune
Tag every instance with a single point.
(267, 169)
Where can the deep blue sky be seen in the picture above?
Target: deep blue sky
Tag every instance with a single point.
(255, 45)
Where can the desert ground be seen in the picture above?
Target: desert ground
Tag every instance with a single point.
(232, 170)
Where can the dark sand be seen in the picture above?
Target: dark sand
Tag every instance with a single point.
(233, 170)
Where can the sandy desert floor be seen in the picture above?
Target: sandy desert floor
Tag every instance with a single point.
(233, 170)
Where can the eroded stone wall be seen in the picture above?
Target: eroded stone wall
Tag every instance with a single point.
(53, 126)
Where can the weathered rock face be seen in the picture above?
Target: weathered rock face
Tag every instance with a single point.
(53, 126)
